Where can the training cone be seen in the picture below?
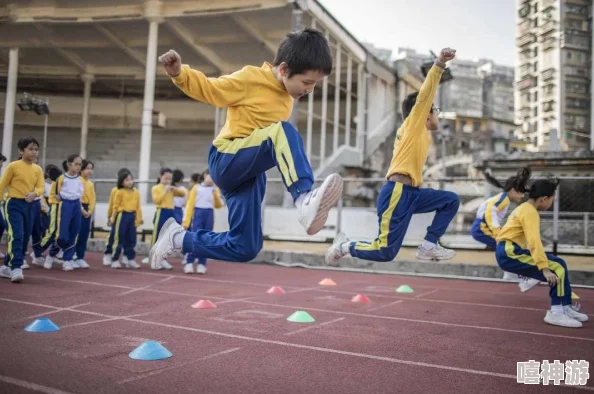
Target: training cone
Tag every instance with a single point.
(204, 304)
(275, 290)
(150, 351)
(327, 282)
(404, 289)
(362, 298)
(574, 296)
(301, 317)
(43, 324)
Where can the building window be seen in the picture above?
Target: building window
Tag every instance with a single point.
(535, 112)
(568, 55)
(577, 103)
(535, 67)
(535, 96)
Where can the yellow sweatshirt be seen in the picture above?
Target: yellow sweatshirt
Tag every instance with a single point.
(89, 196)
(21, 178)
(254, 97)
(127, 200)
(110, 203)
(164, 199)
(413, 139)
(523, 229)
(205, 197)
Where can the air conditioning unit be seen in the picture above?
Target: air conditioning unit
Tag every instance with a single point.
(159, 120)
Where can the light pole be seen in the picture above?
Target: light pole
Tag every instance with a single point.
(40, 106)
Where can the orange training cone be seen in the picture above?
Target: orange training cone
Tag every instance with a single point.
(204, 304)
(275, 290)
(327, 282)
(362, 298)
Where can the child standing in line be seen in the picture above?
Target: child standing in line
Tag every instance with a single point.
(69, 190)
(109, 242)
(126, 217)
(24, 181)
(255, 138)
(163, 194)
(49, 237)
(203, 198)
(402, 196)
(2, 222)
(44, 218)
(179, 202)
(88, 205)
(520, 250)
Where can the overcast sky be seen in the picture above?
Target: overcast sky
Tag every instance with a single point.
(475, 28)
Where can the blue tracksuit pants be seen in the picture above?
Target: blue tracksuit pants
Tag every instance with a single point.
(68, 227)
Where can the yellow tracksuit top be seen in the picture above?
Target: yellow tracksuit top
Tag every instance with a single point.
(163, 199)
(21, 178)
(523, 229)
(255, 99)
(191, 204)
(89, 196)
(112, 194)
(127, 200)
(413, 139)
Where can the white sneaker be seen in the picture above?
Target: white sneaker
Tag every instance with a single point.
(116, 265)
(335, 252)
(49, 260)
(164, 245)
(571, 312)
(528, 284)
(165, 265)
(131, 264)
(188, 268)
(60, 255)
(5, 271)
(81, 264)
(107, 260)
(68, 266)
(510, 276)
(438, 253)
(38, 261)
(562, 320)
(25, 266)
(201, 269)
(314, 206)
(16, 275)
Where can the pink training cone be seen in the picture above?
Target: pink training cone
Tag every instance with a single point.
(204, 304)
(327, 282)
(275, 290)
(361, 298)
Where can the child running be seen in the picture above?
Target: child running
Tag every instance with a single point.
(520, 250)
(179, 202)
(126, 217)
(69, 190)
(163, 194)
(88, 201)
(24, 181)
(401, 196)
(255, 138)
(203, 198)
(109, 242)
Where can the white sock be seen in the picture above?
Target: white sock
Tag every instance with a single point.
(428, 245)
(557, 309)
(345, 247)
(178, 240)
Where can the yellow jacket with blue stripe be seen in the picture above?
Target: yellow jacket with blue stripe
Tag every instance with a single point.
(523, 229)
(201, 196)
(492, 213)
(413, 139)
(127, 200)
(21, 178)
(254, 97)
(89, 196)
(163, 198)
(110, 203)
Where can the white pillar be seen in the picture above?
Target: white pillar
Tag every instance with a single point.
(147, 109)
(349, 94)
(88, 79)
(591, 98)
(337, 99)
(13, 66)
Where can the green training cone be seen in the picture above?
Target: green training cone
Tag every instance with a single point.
(301, 317)
(404, 289)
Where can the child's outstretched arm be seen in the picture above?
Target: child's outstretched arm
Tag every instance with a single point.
(219, 92)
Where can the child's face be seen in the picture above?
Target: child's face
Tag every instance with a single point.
(74, 167)
(87, 172)
(299, 85)
(166, 178)
(128, 182)
(30, 153)
(433, 120)
(208, 180)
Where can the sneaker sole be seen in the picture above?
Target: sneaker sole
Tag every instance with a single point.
(328, 201)
(563, 325)
(435, 259)
(526, 289)
(17, 280)
(152, 254)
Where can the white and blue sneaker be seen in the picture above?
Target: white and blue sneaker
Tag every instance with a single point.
(314, 206)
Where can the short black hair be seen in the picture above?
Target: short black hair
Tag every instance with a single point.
(54, 173)
(48, 168)
(2, 158)
(163, 171)
(25, 142)
(203, 175)
(69, 159)
(85, 164)
(121, 178)
(543, 188)
(178, 177)
(304, 50)
(195, 177)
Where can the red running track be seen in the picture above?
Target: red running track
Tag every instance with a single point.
(449, 336)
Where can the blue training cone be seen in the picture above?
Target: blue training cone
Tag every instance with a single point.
(43, 324)
(150, 351)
